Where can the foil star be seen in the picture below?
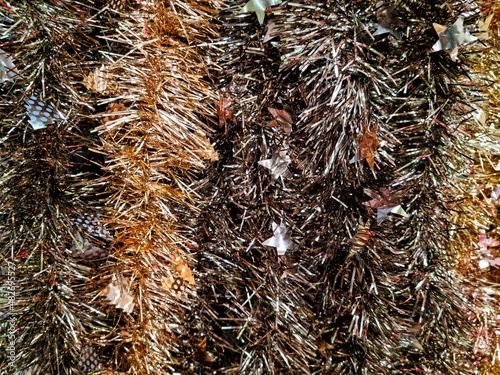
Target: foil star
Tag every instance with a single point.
(259, 7)
(278, 165)
(280, 239)
(118, 293)
(368, 144)
(450, 38)
(385, 202)
(386, 20)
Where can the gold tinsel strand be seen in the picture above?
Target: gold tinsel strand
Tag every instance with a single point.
(479, 210)
(156, 108)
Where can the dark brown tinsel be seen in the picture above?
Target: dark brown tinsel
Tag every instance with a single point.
(377, 125)
(50, 183)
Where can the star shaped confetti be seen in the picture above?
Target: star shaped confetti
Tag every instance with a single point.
(485, 263)
(368, 144)
(94, 245)
(385, 202)
(280, 239)
(283, 118)
(118, 293)
(386, 20)
(183, 269)
(225, 109)
(97, 80)
(277, 165)
(486, 242)
(271, 26)
(450, 38)
(259, 7)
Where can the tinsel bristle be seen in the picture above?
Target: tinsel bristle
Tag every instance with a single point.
(249, 187)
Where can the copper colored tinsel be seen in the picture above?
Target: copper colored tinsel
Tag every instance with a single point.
(154, 136)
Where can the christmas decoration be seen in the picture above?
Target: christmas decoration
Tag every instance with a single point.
(386, 202)
(99, 154)
(362, 292)
(480, 216)
(8, 71)
(450, 38)
(277, 165)
(50, 179)
(154, 154)
(259, 7)
(40, 114)
(280, 239)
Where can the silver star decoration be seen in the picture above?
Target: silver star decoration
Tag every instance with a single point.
(450, 38)
(280, 239)
(259, 7)
(278, 165)
(385, 202)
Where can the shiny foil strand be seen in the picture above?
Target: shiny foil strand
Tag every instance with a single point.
(155, 123)
(49, 179)
(393, 303)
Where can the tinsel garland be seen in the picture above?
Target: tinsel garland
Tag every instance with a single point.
(154, 136)
(336, 115)
(346, 224)
(46, 186)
